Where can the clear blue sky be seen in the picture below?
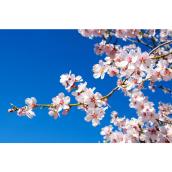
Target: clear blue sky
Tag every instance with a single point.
(31, 64)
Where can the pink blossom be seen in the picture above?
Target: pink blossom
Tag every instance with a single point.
(26, 111)
(69, 80)
(59, 103)
(31, 102)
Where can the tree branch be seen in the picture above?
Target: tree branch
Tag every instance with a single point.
(162, 56)
(165, 43)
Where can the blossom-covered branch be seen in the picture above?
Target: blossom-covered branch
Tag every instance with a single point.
(163, 44)
(145, 56)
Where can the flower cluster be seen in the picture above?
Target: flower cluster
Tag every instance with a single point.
(59, 103)
(135, 131)
(145, 109)
(165, 109)
(134, 65)
(127, 33)
(69, 80)
(165, 34)
(27, 110)
(119, 33)
(108, 49)
(161, 35)
(162, 71)
(130, 63)
(87, 99)
(133, 68)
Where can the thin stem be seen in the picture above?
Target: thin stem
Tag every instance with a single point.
(167, 121)
(165, 43)
(162, 56)
(75, 104)
(44, 105)
(15, 108)
(110, 93)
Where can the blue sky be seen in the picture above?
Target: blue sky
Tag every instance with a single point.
(31, 64)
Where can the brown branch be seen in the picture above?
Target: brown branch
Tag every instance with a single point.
(110, 93)
(162, 56)
(167, 121)
(165, 43)
(15, 108)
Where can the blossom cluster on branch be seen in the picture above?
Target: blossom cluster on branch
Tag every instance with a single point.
(134, 57)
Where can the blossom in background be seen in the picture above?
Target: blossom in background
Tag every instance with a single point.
(92, 32)
(127, 33)
(102, 47)
(165, 34)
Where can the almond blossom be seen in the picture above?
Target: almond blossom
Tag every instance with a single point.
(27, 110)
(99, 70)
(92, 32)
(31, 102)
(95, 115)
(59, 103)
(91, 102)
(108, 49)
(69, 80)
(135, 69)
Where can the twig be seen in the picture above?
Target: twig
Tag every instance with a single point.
(110, 93)
(165, 43)
(162, 56)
